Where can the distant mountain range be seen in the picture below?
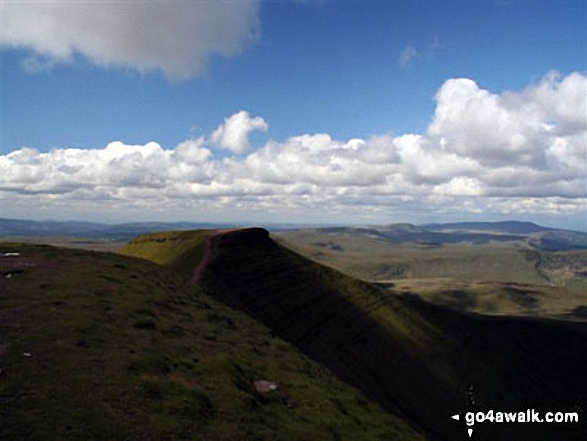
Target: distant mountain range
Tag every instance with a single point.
(511, 227)
(18, 227)
(537, 236)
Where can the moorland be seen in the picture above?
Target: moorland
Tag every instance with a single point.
(346, 333)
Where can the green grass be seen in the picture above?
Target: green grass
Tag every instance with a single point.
(416, 359)
(122, 348)
(178, 250)
(411, 356)
(377, 260)
(477, 278)
(105, 244)
(492, 298)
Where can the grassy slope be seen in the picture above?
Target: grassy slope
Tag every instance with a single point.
(86, 243)
(374, 259)
(177, 250)
(505, 278)
(412, 357)
(566, 268)
(491, 298)
(124, 349)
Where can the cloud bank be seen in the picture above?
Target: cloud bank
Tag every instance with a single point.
(512, 153)
(175, 37)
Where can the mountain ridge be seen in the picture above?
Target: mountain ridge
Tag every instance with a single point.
(101, 346)
(413, 358)
(16, 227)
(512, 227)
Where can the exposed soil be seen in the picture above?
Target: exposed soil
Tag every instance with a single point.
(207, 256)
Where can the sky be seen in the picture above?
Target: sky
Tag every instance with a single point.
(294, 111)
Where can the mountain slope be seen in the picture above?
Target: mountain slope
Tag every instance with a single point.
(415, 359)
(96, 346)
(126, 231)
(510, 227)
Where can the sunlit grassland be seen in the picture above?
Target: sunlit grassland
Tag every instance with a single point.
(495, 278)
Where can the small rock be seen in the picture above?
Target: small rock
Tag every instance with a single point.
(27, 354)
(264, 386)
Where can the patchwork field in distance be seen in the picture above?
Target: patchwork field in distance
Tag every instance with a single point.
(492, 277)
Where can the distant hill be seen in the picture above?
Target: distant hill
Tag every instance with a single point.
(510, 227)
(119, 232)
(406, 234)
(432, 234)
(125, 231)
(418, 360)
(18, 227)
(550, 239)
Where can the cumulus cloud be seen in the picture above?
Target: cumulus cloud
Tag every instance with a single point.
(511, 153)
(108, 171)
(173, 36)
(234, 132)
(542, 127)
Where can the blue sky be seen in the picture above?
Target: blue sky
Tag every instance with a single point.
(352, 70)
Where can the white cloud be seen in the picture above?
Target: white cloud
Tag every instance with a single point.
(510, 153)
(512, 128)
(460, 186)
(173, 36)
(233, 133)
(192, 152)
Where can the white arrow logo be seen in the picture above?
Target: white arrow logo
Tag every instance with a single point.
(457, 417)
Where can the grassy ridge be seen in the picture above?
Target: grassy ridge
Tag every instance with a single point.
(412, 357)
(121, 348)
(370, 340)
(416, 359)
(177, 250)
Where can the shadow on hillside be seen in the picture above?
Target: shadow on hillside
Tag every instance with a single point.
(415, 358)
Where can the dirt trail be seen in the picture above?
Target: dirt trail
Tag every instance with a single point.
(207, 256)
